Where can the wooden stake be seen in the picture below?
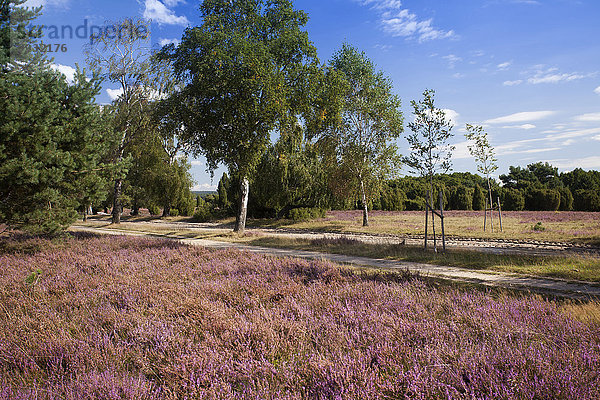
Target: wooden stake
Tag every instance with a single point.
(500, 213)
(442, 218)
(426, 217)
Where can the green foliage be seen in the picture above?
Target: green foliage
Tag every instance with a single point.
(52, 142)
(460, 198)
(390, 199)
(33, 278)
(478, 198)
(306, 214)
(481, 150)
(289, 175)
(203, 212)
(18, 37)
(431, 130)
(587, 200)
(224, 201)
(244, 70)
(538, 227)
(415, 204)
(566, 198)
(542, 200)
(153, 209)
(359, 146)
(512, 200)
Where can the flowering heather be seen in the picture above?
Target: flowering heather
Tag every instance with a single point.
(130, 318)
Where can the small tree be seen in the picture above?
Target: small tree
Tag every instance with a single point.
(361, 140)
(430, 151)
(484, 155)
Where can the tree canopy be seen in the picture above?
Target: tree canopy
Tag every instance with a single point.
(244, 70)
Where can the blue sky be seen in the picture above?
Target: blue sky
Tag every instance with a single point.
(528, 70)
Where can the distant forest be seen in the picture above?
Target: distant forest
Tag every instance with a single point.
(538, 187)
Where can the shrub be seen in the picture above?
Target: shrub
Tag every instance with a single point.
(587, 200)
(478, 198)
(512, 200)
(461, 198)
(154, 209)
(417, 204)
(566, 199)
(542, 200)
(306, 214)
(538, 227)
(203, 212)
(174, 212)
(391, 199)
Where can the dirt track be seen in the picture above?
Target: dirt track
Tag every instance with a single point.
(500, 246)
(553, 287)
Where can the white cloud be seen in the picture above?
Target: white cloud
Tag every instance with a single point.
(458, 75)
(461, 151)
(46, 3)
(592, 117)
(401, 22)
(521, 117)
(597, 90)
(205, 187)
(67, 71)
(592, 162)
(451, 115)
(164, 42)
(552, 75)
(406, 24)
(452, 60)
(159, 13)
(524, 126)
(197, 163)
(114, 93)
(512, 83)
(573, 133)
(504, 65)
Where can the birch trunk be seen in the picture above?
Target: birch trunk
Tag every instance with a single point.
(365, 206)
(240, 224)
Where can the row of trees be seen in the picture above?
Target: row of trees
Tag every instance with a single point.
(247, 72)
(579, 191)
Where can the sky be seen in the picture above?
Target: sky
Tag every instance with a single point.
(527, 70)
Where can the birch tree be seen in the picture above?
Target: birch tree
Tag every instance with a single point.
(362, 139)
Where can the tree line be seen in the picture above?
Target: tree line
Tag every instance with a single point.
(247, 73)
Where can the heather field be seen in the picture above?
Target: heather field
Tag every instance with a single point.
(124, 318)
(570, 226)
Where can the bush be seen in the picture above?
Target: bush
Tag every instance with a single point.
(204, 211)
(538, 227)
(154, 209)
(461, 198)
(391, 199)
(478, 198)
(306, 214)
(542, 200)
(587, 200)
(174, 212)
(566, 199)
(512, 200)
(202, 214)
(417, 204)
